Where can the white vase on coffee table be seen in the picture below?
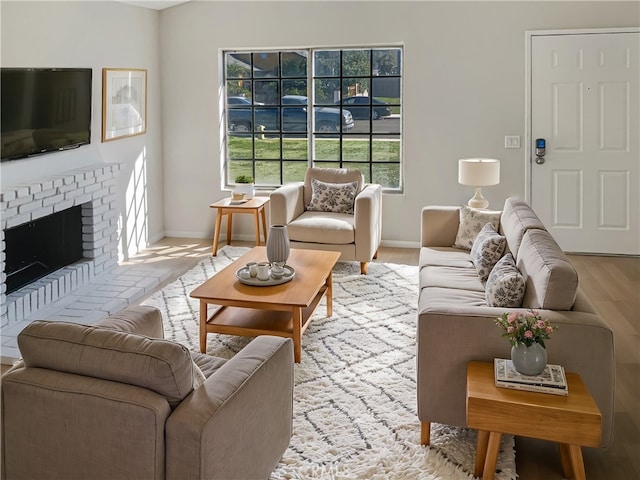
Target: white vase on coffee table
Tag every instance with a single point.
(278, 245)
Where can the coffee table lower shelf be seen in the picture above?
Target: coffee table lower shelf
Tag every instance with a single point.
(253, 321)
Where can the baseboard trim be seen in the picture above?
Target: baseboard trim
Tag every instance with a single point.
(250, 237)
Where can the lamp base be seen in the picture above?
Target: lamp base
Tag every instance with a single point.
(478, 201)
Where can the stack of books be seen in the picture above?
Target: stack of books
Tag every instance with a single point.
(551, 380)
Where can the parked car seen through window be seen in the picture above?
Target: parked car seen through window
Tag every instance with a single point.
(361, 108)
(240, 116)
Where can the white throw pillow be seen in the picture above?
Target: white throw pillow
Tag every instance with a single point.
(486, 250)
(471, 222)
(505, 285)
(332, 197)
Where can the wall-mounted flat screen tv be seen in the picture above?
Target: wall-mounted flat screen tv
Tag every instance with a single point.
(44, 110)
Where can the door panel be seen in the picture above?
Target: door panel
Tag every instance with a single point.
(567, 185)
(567, 117)
(614, 117)
(585, 103)
(614, 187)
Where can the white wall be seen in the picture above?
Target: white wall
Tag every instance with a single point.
(464, 89)
(95, 35)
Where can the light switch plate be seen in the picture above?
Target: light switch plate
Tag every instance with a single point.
(512, 141)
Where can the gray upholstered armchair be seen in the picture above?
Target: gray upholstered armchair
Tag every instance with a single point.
(354, 233)
(117, 401)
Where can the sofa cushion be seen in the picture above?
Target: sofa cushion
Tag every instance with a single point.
(207, 364)
(159, 365)
(517, 217)
(551, 281)
(332, 197)
(198, 377)
(323, 227)
(471, 222)
(505, 285)
(445, 299)
(486, 250)
(451, 277)
(444, 256)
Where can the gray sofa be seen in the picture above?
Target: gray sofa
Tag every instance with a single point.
(116, 400)
(456, 323)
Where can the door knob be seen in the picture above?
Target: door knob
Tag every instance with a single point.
(539, 160)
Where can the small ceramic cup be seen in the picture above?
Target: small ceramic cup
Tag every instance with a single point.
(277, 272)
(263, 271)
(253, 269)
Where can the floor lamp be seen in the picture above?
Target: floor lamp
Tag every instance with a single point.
(478, 172)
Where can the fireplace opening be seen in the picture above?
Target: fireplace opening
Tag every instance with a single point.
(42, 246)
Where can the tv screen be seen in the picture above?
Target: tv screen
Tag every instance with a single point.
(44, 110)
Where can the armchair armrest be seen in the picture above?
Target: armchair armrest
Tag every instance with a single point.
(368, 221)
(286, 203)
(245, 406)
(439, 226)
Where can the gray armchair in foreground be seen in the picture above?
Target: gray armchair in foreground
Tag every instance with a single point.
(116, 400)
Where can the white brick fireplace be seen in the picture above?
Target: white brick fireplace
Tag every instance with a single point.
(93, 188)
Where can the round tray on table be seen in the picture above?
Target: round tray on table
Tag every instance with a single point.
(288, 275)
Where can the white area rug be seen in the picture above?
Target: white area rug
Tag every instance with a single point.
(355, 391)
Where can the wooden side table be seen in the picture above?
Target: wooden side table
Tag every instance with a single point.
(254, 206)
(572, 420)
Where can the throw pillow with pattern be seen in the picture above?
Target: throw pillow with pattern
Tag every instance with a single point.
(486, 250)
(471, 222)
(505, 285)
(332, 197)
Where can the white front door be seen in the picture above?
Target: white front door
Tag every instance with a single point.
(585, 105)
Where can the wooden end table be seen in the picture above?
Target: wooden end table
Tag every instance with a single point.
(254, 206)
(571, 421)
(284, 310)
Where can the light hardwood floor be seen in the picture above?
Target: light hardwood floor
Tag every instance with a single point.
(613, 285)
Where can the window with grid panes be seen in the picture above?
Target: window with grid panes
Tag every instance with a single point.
(287, 110)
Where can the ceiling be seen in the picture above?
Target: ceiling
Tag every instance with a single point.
(154, 4)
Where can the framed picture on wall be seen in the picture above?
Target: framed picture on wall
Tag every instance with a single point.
(124, 102)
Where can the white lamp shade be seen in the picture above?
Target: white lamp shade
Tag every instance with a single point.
(478, 172)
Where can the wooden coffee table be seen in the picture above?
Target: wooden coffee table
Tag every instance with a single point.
(284, 310)
(571, 421)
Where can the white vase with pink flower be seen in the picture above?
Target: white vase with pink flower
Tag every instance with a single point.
(526, 332)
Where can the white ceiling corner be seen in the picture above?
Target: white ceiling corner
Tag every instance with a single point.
(154, 4)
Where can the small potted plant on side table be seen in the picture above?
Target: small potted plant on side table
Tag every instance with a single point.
(244, 185)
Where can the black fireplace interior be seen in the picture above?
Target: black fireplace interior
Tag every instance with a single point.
(38, 248)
